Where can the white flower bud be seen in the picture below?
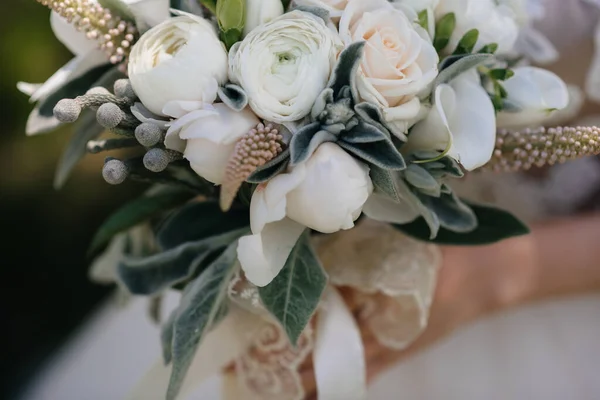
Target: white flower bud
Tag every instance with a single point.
(109, 115)
(115, 172)
(67, 111)
(148, 134)
(123, 88)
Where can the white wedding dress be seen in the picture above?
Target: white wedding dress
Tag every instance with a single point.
(546, 351)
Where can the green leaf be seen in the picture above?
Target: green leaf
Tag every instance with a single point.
(494, 225)
(382, 153)
(211, 5)
(467, 42)
(73, 88)
(453, 66)
(424, 19)
(231, 15)
(201, 306)
(501, 74)
(230, 37)
(293, 296)
(489, 48)
(200, 220)
(118, 7)
(443, 31)
(152, 275)
(86, 129)
(136, 212)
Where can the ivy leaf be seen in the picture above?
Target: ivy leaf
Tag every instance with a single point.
(151, 275)
(197, 221)
(293, 296)
(443, 31)
(382, 153)
(494, 225)
(467, 42)
(136, 212)
(201, 306)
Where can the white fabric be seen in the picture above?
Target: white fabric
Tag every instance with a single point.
(547, 351)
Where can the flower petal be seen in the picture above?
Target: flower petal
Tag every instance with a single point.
(74, 40)
(339, 354)
(151, 12)
(262, 256)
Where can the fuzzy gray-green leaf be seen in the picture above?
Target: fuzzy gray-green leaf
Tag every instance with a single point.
(344, 73)
(233, 96)
(293, 296)
(365, 133)
(421, 179)
(166, 338)
(306, 141)
(382, 153)
(316, 11)
(271, 168)
(201, 305)
(152, 275)
(452, 213)
(86, 129)
(454, 66)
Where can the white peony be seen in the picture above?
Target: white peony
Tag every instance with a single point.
(495, 22)
(333, 7)
(182, 59)
(399, 60)
(537, 93)
(326, 193)
(462, 121)
(259, 12)
(207, 137)
(284, 65)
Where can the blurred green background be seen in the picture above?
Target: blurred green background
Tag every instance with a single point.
(45, 292)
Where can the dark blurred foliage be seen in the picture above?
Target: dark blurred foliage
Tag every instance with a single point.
(44, 288)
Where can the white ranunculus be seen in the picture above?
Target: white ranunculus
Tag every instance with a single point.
(495, 22)
(326, 193)
(207, 137)
(462, 120)
(182, 59)
(334, 7)
(399, 60)
(537, 93)
(259, 12)
(284, 65)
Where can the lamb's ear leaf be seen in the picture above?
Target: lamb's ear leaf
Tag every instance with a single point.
(233, 96)
(271, 168)
(344, 73)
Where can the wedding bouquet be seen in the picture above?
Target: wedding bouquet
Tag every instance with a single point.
(266, 130)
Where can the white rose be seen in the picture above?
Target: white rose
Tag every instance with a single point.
(259, 12)
(495, 22)
(326, 193)
(399, 60)
(207, 138)
(181, 59)
(462, 121)
(537, 93)
(284, 65)
(334, 7)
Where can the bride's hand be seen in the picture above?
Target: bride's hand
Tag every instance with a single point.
(558, 258)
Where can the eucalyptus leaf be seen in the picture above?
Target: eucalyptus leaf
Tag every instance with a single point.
(494, 225)
(86, 129)
(294, 295)
(154, 274)
(136, 212)
(306, 141)
(201, 306)
(199, 220)
(382, 153)
(443, 31)
(233, 96)
(271, 168)
(453, 66)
